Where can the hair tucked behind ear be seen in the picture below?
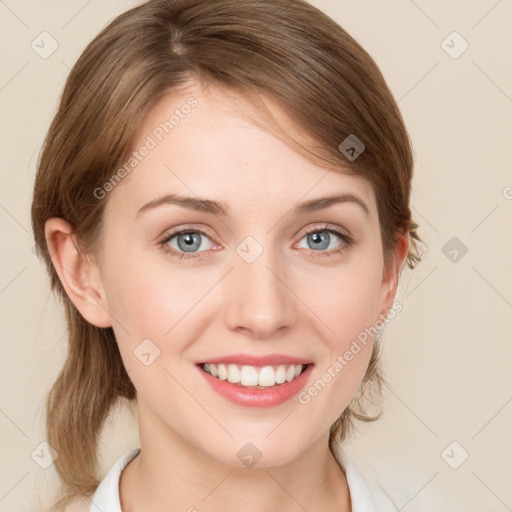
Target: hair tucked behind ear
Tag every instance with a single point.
(284, 49)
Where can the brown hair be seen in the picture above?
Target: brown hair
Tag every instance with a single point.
(284, 49)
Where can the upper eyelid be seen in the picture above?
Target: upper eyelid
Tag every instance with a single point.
(171, 233)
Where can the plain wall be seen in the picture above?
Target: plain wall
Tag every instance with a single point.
(447, 354)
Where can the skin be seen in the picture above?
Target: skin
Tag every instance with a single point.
(293, 299)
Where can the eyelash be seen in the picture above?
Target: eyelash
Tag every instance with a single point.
(348, 241)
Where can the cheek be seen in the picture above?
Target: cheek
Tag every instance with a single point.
(156, 317)
(150, 299)
(344, 301)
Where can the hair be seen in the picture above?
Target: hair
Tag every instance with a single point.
(286, 50)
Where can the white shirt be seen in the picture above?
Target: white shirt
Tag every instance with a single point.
(106, 497)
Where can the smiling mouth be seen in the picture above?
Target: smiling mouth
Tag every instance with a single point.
(256, 377)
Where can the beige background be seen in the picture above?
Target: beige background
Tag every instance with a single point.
(447, 354)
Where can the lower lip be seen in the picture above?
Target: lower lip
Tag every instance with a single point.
(252, 397)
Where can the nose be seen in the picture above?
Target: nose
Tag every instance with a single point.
(260, 300)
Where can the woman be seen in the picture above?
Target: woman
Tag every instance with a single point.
(222, 203)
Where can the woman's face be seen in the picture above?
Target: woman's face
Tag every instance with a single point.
(248, 280)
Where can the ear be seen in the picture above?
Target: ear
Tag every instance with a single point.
(391, 274)
(80, 278)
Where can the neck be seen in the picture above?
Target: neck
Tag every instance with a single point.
(170, 474)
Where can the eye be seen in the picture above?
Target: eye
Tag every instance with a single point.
(321, 238)
(187, 243)
(184, 243)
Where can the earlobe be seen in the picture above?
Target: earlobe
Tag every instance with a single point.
(392, 274)
(80, 278)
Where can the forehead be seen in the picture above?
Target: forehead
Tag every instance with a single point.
(199, 143)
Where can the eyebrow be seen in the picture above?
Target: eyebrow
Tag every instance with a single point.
(221, 208)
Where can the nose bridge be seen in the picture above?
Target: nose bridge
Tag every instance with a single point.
(260, 301)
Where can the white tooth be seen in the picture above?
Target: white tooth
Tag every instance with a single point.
(253, 376)
(223, 372)
(233, 374)
(281, 374)
(267, 376)
(249, 376)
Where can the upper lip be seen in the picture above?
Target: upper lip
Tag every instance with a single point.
(255, 360)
